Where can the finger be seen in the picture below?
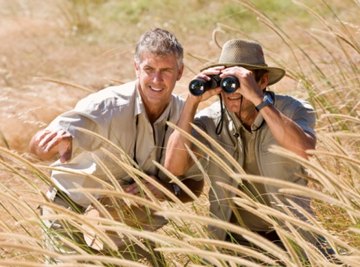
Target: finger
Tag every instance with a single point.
(216, 69)
(65, 153)
(155, 191)
(231, 71)
(65, 147)
(61, 136)
(40, 136)
(46, 138)
(234, 68)
(215, 91)
(52, 143)
(132, 189)
(210, 93)
(203, 76)
(65, 134)
(212, 71)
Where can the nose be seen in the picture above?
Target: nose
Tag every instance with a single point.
(157, 77)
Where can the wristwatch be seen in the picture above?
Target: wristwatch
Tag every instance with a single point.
(176, 189)
(267, 100)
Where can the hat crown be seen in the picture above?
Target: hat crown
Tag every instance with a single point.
(242, 52)
(247, 54)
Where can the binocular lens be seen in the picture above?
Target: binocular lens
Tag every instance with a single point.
(230, 84)
(197, 87)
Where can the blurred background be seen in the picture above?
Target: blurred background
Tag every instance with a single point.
(54, 52)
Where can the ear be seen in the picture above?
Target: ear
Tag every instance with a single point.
(137, 69)
(180, 72)
(264, 81)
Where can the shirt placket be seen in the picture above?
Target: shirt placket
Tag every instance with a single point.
(146, 149)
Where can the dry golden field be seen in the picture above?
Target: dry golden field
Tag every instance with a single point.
(52, 53)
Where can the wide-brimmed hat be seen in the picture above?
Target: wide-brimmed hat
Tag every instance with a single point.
(247, 54)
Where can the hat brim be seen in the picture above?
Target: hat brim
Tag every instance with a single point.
(275, 74)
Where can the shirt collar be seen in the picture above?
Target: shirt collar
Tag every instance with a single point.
(166, 113)
(235, 123)
(140, 108)
(258, 122)
(139, 105)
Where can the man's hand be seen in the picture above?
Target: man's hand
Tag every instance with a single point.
(46, 144)
(177, 159)
(249, 89)
(206, 75)
(135, 189)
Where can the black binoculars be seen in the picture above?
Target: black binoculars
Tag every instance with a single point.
(228, 84)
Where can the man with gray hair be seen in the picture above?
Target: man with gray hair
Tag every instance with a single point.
(132, 117)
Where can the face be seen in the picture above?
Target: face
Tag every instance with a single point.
(234, 103)
(157, 76)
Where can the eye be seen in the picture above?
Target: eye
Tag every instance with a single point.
(148, 69)
(167, 71)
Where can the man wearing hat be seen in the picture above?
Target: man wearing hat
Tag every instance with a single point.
(253, 120)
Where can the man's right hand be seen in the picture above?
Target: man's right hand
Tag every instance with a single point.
(205, 75)
(177, 158)
(46, 144)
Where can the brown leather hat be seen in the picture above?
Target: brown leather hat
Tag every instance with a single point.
(247, 54)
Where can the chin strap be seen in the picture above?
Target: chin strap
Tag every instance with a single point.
(220, 124)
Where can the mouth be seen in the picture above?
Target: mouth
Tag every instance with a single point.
(234, 97)
(155, 89)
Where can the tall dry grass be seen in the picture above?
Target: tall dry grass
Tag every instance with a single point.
(326, 68)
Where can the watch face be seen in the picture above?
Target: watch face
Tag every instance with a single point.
(268, 99)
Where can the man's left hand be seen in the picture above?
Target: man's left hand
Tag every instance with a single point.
(135, 189)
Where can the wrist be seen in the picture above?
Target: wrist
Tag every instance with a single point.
(191, 105)
(175, 189)
(172, 187)
(258, 99)
(267, 100)
(193, 100)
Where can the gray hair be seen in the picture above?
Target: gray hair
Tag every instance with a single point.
(160, 42)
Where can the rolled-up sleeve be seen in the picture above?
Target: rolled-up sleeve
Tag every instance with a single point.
(86, 115)
(304, 115)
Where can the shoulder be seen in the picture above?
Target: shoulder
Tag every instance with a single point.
(177, 104)
(213, 111)
(108, 98)
(298, 110)
(290, 104)
(209, 117)
(177, 100)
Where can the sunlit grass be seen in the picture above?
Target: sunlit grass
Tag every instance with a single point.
(325, 66)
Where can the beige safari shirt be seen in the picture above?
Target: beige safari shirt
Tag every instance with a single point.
(268, 164)
(118, 115)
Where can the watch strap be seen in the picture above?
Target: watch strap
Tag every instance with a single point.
(176, 189)
(267, 100)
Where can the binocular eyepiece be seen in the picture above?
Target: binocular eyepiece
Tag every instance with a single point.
(228, 84)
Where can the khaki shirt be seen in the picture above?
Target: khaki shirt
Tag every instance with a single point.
(269, 164)
(118, 115)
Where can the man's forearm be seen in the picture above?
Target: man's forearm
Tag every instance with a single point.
(46, 144)
(177, 159)
(35, 147)
(287, 133)
(195, 186)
